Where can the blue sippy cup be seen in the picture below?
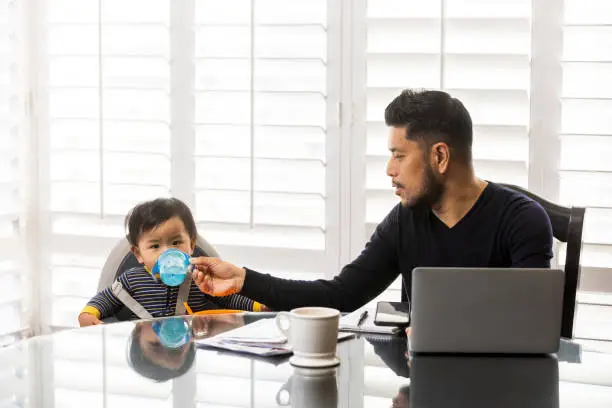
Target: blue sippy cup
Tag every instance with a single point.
(172, 267)
(173, 332)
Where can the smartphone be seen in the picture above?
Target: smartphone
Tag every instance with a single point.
(392, 314)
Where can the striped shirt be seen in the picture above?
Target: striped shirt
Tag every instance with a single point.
(159, 299)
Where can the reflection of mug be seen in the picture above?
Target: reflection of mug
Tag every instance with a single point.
(309, 388)
(312, 332)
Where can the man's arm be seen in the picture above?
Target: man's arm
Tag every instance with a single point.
(358, 282)
(530, 237)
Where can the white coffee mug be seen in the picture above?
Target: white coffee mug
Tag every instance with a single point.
(313, 335)
(308, 389)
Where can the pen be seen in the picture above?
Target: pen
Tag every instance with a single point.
(362, 318)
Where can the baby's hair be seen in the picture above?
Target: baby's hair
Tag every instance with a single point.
(150, 214)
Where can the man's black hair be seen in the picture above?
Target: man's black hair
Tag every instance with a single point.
(432, 117)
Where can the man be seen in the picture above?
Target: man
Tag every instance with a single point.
(447, 218)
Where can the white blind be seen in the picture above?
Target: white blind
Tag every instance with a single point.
(585, 170)
(108, 128)
(11, 116)
(222, 104)
(479, 52)
(261, 122)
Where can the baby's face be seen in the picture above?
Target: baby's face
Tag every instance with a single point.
(170, 234)
(152, 348)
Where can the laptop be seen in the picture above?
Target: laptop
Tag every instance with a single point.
(486, 310)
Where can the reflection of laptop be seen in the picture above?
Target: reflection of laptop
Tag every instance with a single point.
(486, 310)
(484, 382)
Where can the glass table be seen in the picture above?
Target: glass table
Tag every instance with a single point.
(126, 364)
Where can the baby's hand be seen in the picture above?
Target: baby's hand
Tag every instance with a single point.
(87, 319)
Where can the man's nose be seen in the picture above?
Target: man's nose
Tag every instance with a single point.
(391, 171)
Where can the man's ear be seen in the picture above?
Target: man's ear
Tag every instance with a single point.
(440, 157)
(136, 253)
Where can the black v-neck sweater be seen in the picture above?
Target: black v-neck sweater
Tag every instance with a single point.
(502, 229)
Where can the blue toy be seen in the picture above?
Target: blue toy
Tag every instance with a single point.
(172, 267)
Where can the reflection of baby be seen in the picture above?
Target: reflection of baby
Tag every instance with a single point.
(402, 398)
(149, 358)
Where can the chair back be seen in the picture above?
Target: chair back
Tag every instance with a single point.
(567, 224)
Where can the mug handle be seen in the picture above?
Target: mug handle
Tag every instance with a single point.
(284, 391)
(281, 319)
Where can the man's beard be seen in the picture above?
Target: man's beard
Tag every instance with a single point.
(431, 194)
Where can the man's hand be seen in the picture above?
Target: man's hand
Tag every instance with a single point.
(216, 277)
(87, 319)
(200, 326)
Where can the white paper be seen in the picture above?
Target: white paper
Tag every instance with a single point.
(261, 331)
(261, 338)
(349, 323)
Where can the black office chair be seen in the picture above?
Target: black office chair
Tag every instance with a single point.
(567, 223)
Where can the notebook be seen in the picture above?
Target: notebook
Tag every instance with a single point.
(261, 338)
(349, 323)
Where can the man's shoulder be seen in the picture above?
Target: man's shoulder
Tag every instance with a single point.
(515, 202)
(519, 210)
